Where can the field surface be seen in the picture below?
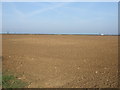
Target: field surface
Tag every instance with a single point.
(62, 61)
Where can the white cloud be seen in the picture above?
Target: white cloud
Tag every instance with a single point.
(24, 15)
(46, 9)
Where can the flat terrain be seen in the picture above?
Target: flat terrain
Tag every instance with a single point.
(61, 61)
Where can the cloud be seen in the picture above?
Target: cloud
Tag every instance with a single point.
(40, 10)
(46, 9)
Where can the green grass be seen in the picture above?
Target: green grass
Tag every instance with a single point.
(10, 81)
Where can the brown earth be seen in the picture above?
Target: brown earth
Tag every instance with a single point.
(0, 61)
(62, 61)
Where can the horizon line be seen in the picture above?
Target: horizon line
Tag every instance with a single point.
(56, 34)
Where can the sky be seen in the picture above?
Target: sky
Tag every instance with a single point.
(60, 17)
(0, 17)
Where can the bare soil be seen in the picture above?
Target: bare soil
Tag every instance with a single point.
(62, 61)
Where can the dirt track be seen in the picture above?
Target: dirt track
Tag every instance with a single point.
(53, 61)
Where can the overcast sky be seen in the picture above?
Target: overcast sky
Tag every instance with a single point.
(60, 17)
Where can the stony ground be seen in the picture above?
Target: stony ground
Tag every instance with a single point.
(66, 61)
